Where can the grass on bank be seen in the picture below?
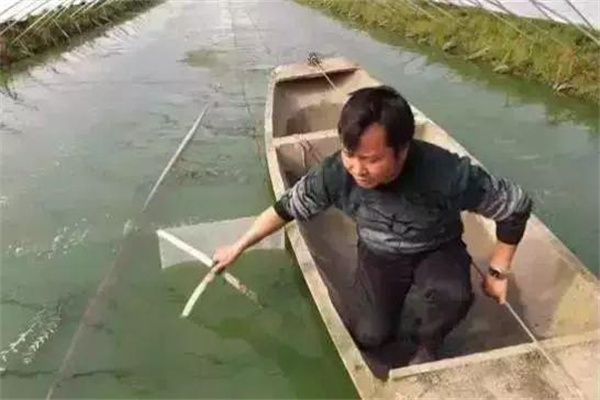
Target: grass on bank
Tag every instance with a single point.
(556, 54)
(23, 40)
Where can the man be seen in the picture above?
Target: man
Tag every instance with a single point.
(406, 197)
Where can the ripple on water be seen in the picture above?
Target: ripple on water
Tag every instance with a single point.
(23, 349)
(64, 240)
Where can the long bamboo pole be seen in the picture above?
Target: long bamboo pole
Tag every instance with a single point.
(35, 23)
(99, 5)
(501, 6)
(576, 26)
(65, 34)
(541, 10)
(420, 9)
(477, 4)
(204, 259)
(557, 364)
(182, 146)
(82, 8)
(433, 4)
(587, 22)
(29, 11)
(65, 5)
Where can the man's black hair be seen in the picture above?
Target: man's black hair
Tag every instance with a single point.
(382, 105)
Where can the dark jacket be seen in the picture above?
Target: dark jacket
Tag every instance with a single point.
(420, 209)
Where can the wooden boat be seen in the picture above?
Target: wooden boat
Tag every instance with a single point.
(490, 355)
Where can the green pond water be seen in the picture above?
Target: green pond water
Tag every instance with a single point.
(84, 136)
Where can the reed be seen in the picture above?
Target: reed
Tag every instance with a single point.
(56, 29)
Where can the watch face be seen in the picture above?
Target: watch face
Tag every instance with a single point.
(497, 274)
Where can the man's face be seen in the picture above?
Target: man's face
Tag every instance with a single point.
(373, 163)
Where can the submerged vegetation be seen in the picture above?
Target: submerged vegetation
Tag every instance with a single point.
(23, 39)
(561, 56)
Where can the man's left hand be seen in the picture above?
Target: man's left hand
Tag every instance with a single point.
(495, 288)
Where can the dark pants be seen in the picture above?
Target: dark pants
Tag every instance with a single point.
(382, 283)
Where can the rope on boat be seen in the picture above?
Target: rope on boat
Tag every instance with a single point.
(551, 359)
(307, 148)
(315, 61)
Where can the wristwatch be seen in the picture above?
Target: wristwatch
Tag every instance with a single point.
(497, 273)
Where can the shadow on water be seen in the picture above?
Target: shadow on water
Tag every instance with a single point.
(301, 371)
(133, 343)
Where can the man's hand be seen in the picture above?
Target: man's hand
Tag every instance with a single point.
(266, 223)
(494, 284)
(495, 287)
(225, 256)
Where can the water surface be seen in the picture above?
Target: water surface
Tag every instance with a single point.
(89, 133)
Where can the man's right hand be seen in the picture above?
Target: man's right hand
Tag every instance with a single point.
(266, 223)
(225, 256)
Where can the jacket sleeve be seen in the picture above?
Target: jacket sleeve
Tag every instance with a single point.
(309, 196)
(496, 198)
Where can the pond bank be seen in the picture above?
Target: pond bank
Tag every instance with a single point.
(54, 29)
(557, 55)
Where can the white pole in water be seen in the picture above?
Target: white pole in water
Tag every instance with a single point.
(182, 147)
(206, 260)
(547, 356)
(198, 292)
(556, 364)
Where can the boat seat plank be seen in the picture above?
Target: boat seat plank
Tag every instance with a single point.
(304, 137)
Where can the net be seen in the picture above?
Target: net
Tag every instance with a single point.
(195, 243)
